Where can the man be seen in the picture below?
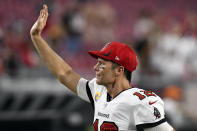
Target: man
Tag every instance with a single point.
(117, 106)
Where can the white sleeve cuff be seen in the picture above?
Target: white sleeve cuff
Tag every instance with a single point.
(162, 127)
(81, 89)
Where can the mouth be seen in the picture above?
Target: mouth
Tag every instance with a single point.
(98, 76)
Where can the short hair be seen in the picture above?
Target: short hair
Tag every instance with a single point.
(127, 73)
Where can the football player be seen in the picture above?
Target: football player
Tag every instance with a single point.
(117, 105)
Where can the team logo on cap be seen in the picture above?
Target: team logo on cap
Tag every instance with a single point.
(117, 58)
(107, 54)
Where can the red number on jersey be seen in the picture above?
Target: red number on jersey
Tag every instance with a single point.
(109, 126)
(144, 94)
(96, 125)
(106, 126)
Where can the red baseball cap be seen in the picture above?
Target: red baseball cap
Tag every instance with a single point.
(119, 53)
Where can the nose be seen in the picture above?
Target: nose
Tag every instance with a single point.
(96, 67)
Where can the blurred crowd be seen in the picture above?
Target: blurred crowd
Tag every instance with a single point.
(163, 34)
(165, 41)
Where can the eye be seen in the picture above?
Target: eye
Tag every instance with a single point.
(102, 67)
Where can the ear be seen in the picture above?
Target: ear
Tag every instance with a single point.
(119, 71)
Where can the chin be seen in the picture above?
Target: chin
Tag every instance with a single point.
(98, 82)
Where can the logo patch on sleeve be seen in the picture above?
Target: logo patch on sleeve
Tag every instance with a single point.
(157, 113)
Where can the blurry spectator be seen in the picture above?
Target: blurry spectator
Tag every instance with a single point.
(176, 112)
(28, 57)
(74, 23)
(173, 95)
(191, 21)
(20, 44)
(55, 34)
(172, 52)
(11, 63)
(16, 50)
(100, 23)
(143, 28)
(8, 61)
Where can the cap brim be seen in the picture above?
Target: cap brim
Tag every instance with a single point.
(97, 54)
(94, 54)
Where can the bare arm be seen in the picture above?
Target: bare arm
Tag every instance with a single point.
(55, 63)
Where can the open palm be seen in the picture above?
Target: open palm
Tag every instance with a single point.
(41, 22)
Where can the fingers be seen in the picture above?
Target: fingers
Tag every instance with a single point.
(45, 6)
(41, 21)
(44, 12)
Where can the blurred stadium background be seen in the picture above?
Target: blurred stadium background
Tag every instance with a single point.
(162, 32)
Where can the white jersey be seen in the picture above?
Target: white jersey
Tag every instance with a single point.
(133, 109)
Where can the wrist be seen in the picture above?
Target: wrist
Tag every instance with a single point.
(34, 36)
(35, 33)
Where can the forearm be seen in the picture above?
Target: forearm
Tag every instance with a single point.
(55, 63)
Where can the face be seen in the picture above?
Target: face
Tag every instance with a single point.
(105, 75)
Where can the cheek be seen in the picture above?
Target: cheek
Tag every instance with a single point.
(109, 76)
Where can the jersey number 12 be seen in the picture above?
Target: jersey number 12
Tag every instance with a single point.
(143, 94)
(106, 126)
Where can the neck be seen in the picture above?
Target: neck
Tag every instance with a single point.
(118, 86)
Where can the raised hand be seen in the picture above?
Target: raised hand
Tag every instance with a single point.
(41, 22)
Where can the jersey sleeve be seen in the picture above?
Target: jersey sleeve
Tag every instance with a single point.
(85, 90)
(162, 127)
(149, 113)
(81, 89)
